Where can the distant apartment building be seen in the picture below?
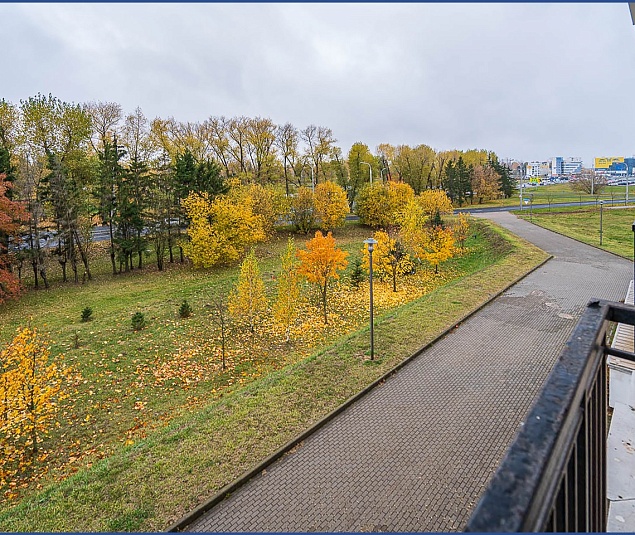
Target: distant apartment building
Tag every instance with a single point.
(571, 166)
(538, 169)
(565, 166)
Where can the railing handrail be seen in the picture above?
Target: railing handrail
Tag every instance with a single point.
(522, 492)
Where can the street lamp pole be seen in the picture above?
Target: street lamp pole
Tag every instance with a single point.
(601, 205)
(370, 169)
(531, 205)
(370, 243)
(381, 173)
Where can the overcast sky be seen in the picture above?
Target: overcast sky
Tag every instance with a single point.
(528, 81)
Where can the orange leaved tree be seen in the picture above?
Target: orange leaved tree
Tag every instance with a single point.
(320, 263)
(11, 214)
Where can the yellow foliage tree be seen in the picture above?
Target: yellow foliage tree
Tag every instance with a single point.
(390, 258)
(379, 204)
(439, 246)
(435, 201)
(247, 301)
(399, 195)
(303, 210)
(462, 228)
(372, 204)
(286, 306)
(331, 205)
(267, 201)
(413, 220)
(31, 385)
(320, 263)
(220, 230)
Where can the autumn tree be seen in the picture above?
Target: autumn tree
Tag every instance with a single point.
(319, 141)
(302, 210)
(485, 183)
(413, 221)
(220, 230)
(390, 258)
(268, 202)
(248, 302)
(438, 246)
(31, 386)
(331, 206)
(415, 166)
(378, 205)
(12, 213)
(286, 142)
(435, 203)
(286, 305)
(58, 132)
(320, 264)
(359, 158)
(462, 228)
(372, 204)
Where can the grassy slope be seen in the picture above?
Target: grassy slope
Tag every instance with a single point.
(149, 485)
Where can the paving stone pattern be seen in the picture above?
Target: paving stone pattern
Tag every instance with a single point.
(416, 453)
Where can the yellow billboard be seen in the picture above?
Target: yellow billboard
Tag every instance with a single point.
(605, 163)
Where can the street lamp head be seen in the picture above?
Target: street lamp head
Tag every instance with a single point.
(370, 243)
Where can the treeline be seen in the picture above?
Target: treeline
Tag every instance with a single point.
(76, 165)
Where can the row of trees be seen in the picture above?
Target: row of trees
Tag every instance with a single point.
(75, 165)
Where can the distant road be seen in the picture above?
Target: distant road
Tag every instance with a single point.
(526, 207)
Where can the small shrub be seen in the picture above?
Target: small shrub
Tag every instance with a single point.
(357, 275)
(185, 310)
(138, 321)
(87, 314)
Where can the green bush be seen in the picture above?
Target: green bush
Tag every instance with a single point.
(87, 314)
(357, 274)
(138, 321)
(185, 310)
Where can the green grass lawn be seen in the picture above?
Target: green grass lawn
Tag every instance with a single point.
(138, 449)
(584, 225)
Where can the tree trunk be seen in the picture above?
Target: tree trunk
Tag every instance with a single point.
(112, 247)
(326, 320)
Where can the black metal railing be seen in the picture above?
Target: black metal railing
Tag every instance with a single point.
(553, 477)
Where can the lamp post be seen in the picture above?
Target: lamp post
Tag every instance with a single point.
(601, 205)
(370, 169)
(381, 173)
(531, 205)
(370, 243)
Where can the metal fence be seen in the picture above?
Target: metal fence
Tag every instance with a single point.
(553, 477)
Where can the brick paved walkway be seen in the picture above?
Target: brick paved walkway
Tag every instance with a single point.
(416, 452)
